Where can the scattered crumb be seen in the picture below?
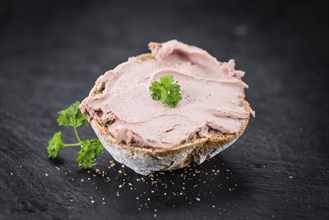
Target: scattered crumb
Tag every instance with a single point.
(13, 174)
(291, 177)
(46, 174)
(92, 201)
(198, 199)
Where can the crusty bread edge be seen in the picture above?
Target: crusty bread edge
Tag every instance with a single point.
(147, 160)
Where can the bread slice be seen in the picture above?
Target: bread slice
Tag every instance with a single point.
(145, 160)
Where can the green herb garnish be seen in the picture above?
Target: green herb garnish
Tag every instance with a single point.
(166, 91)
(91, 148)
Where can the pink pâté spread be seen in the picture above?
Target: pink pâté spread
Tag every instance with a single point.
(212, 98)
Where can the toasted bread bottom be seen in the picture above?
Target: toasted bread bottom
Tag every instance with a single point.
(147, 160)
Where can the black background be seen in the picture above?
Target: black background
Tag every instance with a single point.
(53, 51)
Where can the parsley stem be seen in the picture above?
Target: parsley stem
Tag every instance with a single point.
(72, 145)
(76, 134)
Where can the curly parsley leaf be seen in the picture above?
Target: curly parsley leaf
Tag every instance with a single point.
(166, 91)
(55, 145)
(72, 116)
(91, 149)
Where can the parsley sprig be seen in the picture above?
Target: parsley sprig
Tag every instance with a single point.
(90, 148)
(166, 91)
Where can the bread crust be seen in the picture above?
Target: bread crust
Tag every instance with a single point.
(145, 160)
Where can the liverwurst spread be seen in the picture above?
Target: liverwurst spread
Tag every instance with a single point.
(212, 98)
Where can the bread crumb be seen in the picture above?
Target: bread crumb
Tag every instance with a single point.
(198, 199)
(46, 174)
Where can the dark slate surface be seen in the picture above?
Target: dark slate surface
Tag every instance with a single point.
(53, 51)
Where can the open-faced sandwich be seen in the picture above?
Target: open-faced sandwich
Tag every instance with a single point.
(169, 108)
